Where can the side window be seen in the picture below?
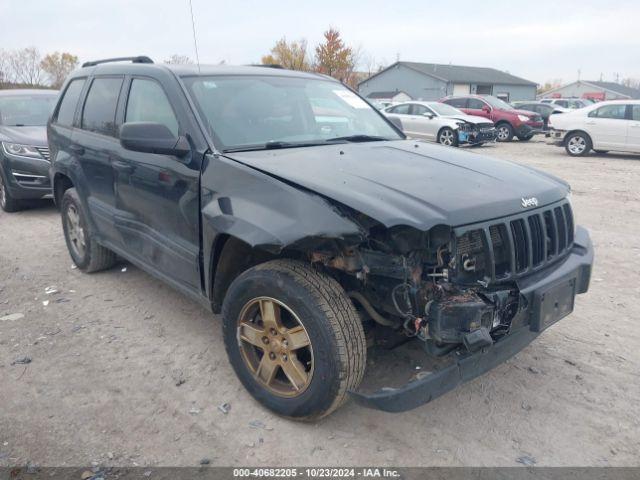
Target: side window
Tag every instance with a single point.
(67, 108)
(635, 112)
(610, 111)
(401, 109)
(562, 103)
(418, 109)
(457, 102)
(148, 103)
(475, 104)
(99, 112)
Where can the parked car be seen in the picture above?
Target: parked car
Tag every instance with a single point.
(545, 110)
(509, 121)
(304, 233)
(604, 126)
(24, 154)
(441, 123)
(570, 103)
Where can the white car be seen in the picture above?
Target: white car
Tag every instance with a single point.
(604, 126)
(569, 103)
(441, 123)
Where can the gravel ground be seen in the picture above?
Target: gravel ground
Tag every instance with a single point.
(125, 371)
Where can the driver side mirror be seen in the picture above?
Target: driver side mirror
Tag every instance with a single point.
(152, 137)
(430, 116)
(486, 109)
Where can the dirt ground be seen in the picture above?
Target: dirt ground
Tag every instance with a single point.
(126, 371)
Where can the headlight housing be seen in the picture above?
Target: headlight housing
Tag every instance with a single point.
(21, 150)
(523, 118)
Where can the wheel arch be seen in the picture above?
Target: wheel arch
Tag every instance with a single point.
(576, 130)
(61, 183)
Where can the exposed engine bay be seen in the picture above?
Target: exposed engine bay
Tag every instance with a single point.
(428, 285)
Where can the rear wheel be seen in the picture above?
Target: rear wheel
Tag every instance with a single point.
(85, 252)
(577, 144)
(448, 137)
(7, 202)
(504, 132)
(293, 338)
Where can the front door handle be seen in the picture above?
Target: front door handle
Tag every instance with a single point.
(76, 149)
(589, 123)
(635, 125)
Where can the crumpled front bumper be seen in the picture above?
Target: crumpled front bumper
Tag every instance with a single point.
(575, 270)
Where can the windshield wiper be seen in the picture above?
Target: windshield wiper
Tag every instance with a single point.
(273, 145)
(357, 138)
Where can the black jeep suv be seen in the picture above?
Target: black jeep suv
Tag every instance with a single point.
(285, 201)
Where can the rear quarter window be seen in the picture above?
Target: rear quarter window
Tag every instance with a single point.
(99, 112)
(69, 102)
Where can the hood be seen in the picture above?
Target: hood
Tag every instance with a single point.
(35, 136)
(475, 119)
(410, 183)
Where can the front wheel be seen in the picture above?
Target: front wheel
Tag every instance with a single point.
(293, 338)
(448, 137)
(577, 144)
(504, 132)
(7, 202)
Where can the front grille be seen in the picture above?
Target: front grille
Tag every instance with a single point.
(44, 151)
(517, 245)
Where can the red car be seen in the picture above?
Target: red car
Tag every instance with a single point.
(509, 121)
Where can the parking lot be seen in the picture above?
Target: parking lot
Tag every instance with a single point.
(126, 371)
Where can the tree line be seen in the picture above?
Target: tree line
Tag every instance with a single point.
(331, 57)
(27, 67)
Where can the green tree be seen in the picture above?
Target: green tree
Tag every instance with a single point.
(334, 58)
(290, 55)
(57, 66)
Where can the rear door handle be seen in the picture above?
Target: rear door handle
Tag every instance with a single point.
(123, 167)
(76, 149)
(589, 123)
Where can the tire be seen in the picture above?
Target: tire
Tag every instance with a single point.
(504, 132)
(334, 360)
(525, 138)
(86, 253)
(7, 202)
(577, 144)
(601, 152)
(448, 137)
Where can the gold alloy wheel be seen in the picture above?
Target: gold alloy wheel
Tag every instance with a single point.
(275, 346)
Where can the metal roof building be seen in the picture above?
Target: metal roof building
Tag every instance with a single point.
(592, 89)
(431, 81)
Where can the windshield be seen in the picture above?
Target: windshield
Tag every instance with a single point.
(256, 112)
(444, 109)
(497, 103)
(26, 110)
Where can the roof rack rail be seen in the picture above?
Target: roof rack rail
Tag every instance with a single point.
(267, 65)
(138, 59)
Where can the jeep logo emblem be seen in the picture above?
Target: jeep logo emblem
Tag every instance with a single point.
(529, 202)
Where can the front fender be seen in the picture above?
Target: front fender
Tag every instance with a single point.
(263, 211)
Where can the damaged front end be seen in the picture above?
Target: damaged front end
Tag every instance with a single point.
(473, 133)
(475, 293)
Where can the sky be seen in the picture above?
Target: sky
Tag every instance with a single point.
(537, 40)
